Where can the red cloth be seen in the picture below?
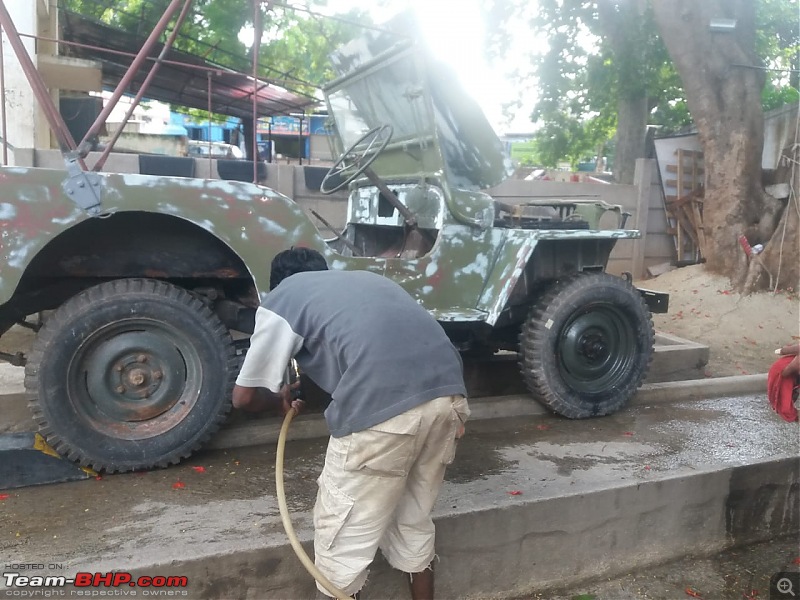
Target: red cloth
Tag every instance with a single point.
(779, 390)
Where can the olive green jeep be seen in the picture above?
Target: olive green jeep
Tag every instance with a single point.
(150, 290)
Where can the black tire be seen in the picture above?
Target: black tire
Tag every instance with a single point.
(131, 374)
(586, 345)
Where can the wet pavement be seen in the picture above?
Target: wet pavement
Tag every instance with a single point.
(738, 574)
(222, 503)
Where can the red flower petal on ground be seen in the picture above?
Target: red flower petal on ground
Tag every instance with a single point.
(199, 469)
(628, 433)
(98, 477)
(5, 496)
(178, 485)
(796, 560)
(543, 427)
(693, 593)
(647, 467)
(515, 493)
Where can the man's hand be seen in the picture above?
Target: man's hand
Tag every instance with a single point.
(793, 368)
(288, 400)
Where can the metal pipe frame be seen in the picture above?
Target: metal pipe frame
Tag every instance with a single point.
(257, 33)
(144, 87)
(141, 57)
(213, 70)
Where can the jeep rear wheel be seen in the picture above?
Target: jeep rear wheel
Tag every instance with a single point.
(586, 345)
(131, 374)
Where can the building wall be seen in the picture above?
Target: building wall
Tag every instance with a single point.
(25, 121)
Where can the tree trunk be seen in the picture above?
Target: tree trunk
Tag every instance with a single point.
(624, 26)
(631, 131)
(724, 100)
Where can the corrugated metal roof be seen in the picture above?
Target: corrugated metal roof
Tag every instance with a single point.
(184, 84)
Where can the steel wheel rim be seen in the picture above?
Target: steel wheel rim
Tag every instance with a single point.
(134, 379)
(596, 349)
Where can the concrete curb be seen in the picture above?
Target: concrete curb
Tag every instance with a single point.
(694, 389)
(529, 545)
(265, 431)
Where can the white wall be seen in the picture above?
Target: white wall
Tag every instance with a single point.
(25, 121)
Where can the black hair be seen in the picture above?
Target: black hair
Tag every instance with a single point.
(295, 260)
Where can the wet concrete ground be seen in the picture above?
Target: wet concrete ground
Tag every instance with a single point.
(738, 574)
(223, 502)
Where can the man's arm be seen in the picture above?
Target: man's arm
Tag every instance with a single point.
(259, 399)
(259, 385)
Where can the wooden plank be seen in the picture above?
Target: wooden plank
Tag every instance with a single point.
(674, 169)
(687, 185)
(686, 226)
(676, 202)
(694, 171)
(701, 235)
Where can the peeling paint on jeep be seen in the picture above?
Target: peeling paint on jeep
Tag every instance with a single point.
(7, 211)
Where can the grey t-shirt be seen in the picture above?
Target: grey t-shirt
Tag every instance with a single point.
(360, 337)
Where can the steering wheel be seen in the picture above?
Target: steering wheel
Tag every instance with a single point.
(351, 164)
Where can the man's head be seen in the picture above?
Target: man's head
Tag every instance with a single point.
(295, 260)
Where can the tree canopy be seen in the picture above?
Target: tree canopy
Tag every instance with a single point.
(604, 68)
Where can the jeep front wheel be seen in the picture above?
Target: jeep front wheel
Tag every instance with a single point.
(130, 374)
(586, 345)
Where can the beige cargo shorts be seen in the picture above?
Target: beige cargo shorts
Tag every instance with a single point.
(378, 488)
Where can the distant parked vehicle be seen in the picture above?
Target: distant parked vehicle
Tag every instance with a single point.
(214, 150)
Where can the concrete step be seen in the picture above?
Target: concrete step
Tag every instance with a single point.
(591, 498)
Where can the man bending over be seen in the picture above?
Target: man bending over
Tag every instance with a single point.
(398, 405)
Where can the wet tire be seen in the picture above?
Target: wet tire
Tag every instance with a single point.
(131, 374)
(586, 345)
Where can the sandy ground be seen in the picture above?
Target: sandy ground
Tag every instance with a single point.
(742, 331)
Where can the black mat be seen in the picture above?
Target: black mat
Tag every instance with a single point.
(240, 170)
(155, 164)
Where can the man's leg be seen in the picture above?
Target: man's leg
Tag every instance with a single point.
(408, 544)
(362, 480)
(421, 584)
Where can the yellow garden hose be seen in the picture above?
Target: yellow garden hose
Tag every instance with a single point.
(287, 523)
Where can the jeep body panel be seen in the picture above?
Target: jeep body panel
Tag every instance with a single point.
(467, 276)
